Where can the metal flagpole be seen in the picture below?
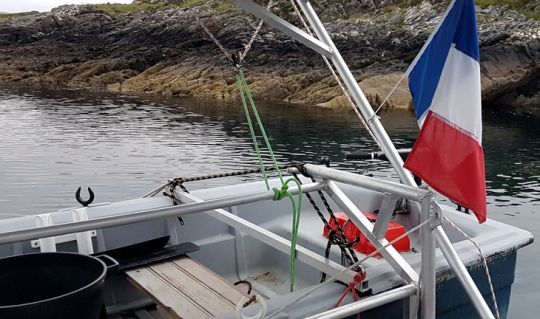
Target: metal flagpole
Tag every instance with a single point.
(325, 46)
(372, 120)
(428, 275)
(428, 303)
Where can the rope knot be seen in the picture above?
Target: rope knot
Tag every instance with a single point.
(357, 279)
(279, 194)
(351, 287)
(335, 238)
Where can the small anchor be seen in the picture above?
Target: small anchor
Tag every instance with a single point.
(80, 200)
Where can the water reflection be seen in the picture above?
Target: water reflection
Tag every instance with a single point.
(53, 141)
(512, 147)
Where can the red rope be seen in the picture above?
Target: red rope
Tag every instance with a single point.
(357, 279)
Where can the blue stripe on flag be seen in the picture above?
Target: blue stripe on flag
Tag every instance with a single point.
(458, 27)
(466, 38)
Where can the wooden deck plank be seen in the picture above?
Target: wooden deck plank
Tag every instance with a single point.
(186, 289)
(193, 288)
(210, 279)
(167, 295)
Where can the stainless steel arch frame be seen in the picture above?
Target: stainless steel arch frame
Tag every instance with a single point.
(325, 46)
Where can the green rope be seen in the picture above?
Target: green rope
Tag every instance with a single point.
(296, 207)
(261, 126)
(279, 193)
(239, 83)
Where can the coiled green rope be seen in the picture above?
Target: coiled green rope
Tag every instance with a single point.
(283, 192)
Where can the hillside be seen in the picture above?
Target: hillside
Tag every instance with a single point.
(157, 47)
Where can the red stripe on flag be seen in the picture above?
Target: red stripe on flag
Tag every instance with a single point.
(451, 162)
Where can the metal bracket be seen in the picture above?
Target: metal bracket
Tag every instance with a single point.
(386, 212)
(84, 239)
(46, 244)
(60, 239)
(436, 214)
(49, 244)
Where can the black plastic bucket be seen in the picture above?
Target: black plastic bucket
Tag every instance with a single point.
(52, 286)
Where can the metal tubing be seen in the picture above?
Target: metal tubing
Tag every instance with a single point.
(144, 215)
(285, 27)
(375, 125)
(428, 287)
(390, 254)
(386, 144)
(388, 147)
(368, 303)
(367, 111)
(462, 274)
(255, 231)
(366, 182)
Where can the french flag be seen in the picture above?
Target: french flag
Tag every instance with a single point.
(444, 80)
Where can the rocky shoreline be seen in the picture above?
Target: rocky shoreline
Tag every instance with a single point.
(164, 51)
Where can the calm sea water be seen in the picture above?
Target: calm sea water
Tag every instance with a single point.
(122, 146)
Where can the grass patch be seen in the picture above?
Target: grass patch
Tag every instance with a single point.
(7, 16)
(191, 3)
(387, 11)
(409, 3)
(225, 6)
(513, 3)
(525, 7)
(118, 8)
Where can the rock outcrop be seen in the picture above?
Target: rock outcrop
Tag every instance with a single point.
(164, 51)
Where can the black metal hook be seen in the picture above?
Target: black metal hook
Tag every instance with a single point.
(80, 200)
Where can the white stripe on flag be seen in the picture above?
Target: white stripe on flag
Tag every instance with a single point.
(458, 95)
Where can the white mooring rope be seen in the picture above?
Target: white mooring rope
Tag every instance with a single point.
(211, 35)
(259, 26)
(227, 54)
(259, 315)
(389, 94)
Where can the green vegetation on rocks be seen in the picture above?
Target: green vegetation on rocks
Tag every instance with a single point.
(145, 6)
(529, 8)
(6, 16)
(118, 8)
(225, 6)
(156, 47)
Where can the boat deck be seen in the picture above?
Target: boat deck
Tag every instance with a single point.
(177, 288)
(248, 241)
